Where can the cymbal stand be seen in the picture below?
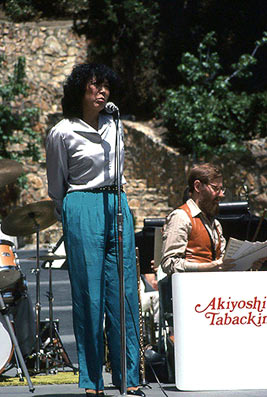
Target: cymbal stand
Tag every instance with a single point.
(19, 370)
(54, 339)
(18, 354)
(51, 300)
(38, 302)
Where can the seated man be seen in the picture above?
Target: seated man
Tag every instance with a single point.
(192, 237)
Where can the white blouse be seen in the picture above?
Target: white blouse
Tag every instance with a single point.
(80, 158)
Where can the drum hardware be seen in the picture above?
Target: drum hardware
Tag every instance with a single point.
(10, 170)
(19, 370)
(9, 268)
(49, 257)
(7, 347)
(54, 341)
(13, 292)
(27, 220)
(10, 281)
(19, 357)
(30, 219)
(55, 352)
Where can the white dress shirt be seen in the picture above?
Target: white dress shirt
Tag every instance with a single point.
(80, 158)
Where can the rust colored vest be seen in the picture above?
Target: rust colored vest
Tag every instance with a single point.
(199, 247)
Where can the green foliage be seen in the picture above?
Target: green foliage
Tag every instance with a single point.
(26, 10)
(20, 10)
(205, 116)
(145, 39)
(125, 36)
(17, 138)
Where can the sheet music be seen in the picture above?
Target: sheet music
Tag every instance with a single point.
(249, 249)
(232, 246)
(245, 262)
(246, 247)
(245, 253)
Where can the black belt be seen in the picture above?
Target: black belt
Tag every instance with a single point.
(111, 188)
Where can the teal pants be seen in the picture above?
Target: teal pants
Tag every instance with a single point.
(90, 235)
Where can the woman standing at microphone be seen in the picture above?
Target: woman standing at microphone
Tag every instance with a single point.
(81, 172)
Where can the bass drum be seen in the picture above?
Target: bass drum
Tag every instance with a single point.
(6, 346)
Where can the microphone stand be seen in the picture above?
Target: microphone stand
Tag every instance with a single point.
(116, 116)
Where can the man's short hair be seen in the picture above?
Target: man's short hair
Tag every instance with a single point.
(205, 173)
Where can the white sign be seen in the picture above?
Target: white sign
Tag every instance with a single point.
(220, 330)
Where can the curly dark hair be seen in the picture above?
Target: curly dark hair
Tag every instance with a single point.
(75, 86)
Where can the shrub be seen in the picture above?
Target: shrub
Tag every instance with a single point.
(205, 115)
(17, 118)
(125, 36)
(26, 10)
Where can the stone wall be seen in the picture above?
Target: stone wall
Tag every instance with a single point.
(163, 167)
(166, 169)
(51, 50)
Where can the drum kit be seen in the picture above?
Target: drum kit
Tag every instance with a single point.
(23, 221)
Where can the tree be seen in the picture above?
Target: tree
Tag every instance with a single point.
(205, 115)
(145, 39)
(17, 121)
(238, 24)
(28, 10)
(125, 36)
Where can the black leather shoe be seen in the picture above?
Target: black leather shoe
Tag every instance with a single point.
(137, 392)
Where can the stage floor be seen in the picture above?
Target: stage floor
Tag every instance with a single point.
(153, 391)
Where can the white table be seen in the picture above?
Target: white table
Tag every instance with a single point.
(220, 330)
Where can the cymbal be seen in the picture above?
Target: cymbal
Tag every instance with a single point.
(29, 219)
(49, 257)
(10, 170)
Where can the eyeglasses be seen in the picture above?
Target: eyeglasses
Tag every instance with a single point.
(217, 189)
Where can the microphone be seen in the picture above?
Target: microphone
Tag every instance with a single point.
(111, 108)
